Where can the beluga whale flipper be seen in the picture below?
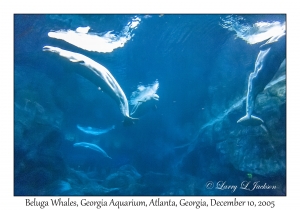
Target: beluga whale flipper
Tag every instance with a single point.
(268, 61)
(100, 76)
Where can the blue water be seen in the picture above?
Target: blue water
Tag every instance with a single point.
(202, 68)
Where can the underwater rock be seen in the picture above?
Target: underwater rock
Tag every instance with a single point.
(78, 183)
(159, 182)
(131, 171)
(173, 184)
(34, 114)
(126, 179)
(39, 164)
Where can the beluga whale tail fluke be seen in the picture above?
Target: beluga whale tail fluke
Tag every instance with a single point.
(250, 120)
(129, 121)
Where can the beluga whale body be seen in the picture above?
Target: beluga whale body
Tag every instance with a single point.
(92, 147)
(144, 99)
(268, 61)
(94, 131)
(100, 76)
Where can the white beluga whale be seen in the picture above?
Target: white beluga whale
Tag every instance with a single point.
(100, 76)
(268, 61)
(144, 99)
(95, 131)
(93, 147)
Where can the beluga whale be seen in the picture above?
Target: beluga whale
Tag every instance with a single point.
(100, 76)
(92, 147)
(94, 131)
(268, 61)
(144, 99)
